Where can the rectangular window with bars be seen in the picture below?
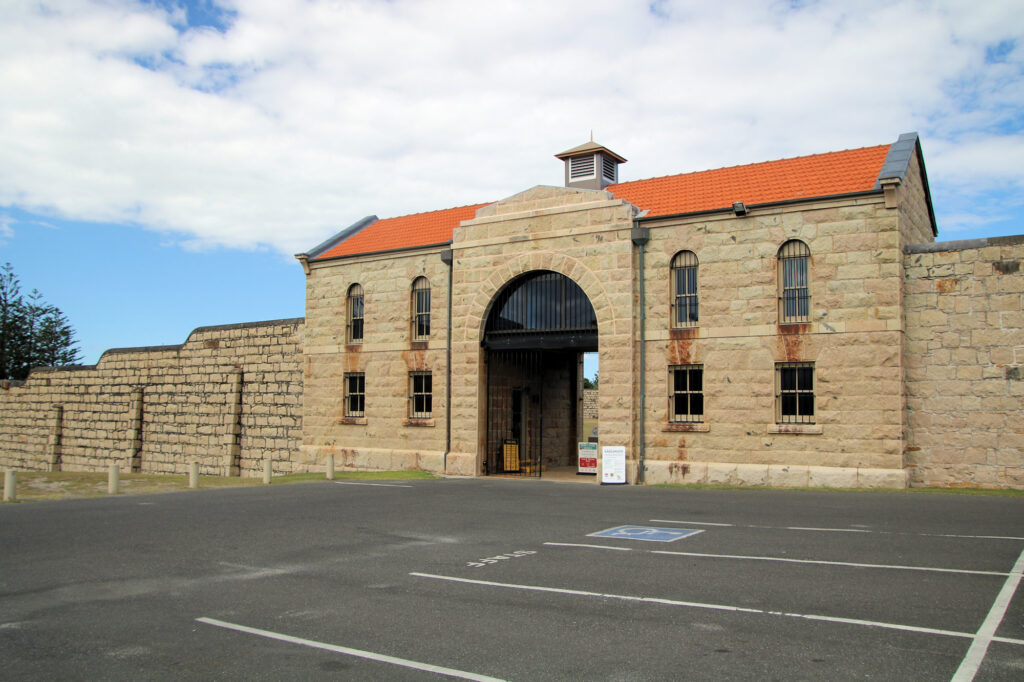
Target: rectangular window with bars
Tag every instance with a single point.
(794, 392)
(686, 393)
(421, 395)
(355, 394)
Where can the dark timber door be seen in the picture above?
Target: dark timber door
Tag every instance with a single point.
(538, 323)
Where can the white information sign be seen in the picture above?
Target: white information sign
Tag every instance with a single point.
(613, 464)
(587, 460)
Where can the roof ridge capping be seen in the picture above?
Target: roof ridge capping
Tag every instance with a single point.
(897, 161)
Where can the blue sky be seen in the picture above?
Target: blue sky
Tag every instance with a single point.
(162, 161)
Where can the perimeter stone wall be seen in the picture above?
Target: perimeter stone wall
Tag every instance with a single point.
(228, 398)
(965, 348)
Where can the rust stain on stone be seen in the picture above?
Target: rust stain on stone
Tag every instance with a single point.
(688, 333)
(679, 469)
(351, 362)
(681, 449)
(415, 360)
(679, 352)
(945, 286)
(790, 341)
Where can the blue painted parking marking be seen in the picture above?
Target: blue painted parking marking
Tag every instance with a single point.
(646, 533)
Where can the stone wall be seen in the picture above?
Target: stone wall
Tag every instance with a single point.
(589, 405)
(964, 348)
(385, 437)
(853, 338)
(228, 398)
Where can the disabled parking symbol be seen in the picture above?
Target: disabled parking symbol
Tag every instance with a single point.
(645, 533)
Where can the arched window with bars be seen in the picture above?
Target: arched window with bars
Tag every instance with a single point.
(794, 282)
(684, 290)
(354, 303)
(420, 309)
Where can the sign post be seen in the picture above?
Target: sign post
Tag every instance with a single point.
(613, 465)
(587, 459)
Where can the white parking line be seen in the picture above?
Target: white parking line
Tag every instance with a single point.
(829, 530)
(576, 544)
(788, 560)
(841, 530)
(378, 485)
(986, 633)
(712, 607)
(358, 653)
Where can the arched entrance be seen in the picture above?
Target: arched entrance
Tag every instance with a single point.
(538, 327)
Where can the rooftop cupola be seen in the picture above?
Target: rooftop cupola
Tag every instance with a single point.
(590, 166)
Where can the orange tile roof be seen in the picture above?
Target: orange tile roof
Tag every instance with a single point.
(418, 229)
(804, 177)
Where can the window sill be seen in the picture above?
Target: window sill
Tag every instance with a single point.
(691, 427)
(358, 421)
(418, 422)
(809, 429)
(419, 344)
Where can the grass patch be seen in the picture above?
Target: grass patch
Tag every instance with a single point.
(34, 486)
(987, 492)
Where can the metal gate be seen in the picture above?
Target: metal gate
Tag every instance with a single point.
(536, 323)
(515, 412)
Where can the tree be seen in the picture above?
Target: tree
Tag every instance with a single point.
(33, 333)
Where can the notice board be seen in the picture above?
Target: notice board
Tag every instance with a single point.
(613, 464)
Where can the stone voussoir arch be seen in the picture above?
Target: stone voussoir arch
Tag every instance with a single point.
(544, 260)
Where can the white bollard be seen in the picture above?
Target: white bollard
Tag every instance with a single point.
(268, 471)
(10, 485)
(193, 475)
(330, 467)
(114, 480)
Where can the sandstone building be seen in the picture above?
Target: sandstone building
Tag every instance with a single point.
(788, 323)
(763, 324)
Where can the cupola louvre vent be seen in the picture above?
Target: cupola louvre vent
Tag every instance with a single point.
(581, 167)
(610, 168)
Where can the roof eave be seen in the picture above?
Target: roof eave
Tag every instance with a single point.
(383, 251)
(768, 204)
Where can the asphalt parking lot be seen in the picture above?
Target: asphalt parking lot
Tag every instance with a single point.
(516, 580)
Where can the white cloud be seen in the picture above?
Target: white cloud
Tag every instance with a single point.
(6, 231)
(302, 117)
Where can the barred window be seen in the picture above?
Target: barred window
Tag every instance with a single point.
(355, 314)
(686, 393)
(355, 394)
(421, 395)
(794, 392)
(684, 289)
(794, 287)
(420, 309)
